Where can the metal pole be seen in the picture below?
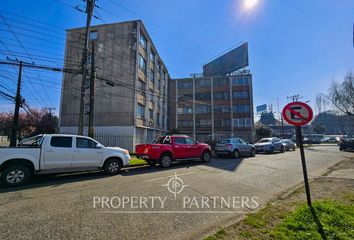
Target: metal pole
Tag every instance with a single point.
(91, 130)
(303, 161)
(18, 100)
(89, 10)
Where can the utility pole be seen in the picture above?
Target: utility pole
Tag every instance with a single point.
(91, 130)
(50, 109)
(294, 98)
(90, 4)
(18, 102)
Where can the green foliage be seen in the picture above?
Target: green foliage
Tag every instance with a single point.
(30, 124)
(220, 234)
(263, 131)
(318, 129)
(337, 220)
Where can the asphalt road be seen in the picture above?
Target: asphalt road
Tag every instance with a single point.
(151, 203)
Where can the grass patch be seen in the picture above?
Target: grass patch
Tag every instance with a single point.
(220, 234)
(136, 161)
(337, 220)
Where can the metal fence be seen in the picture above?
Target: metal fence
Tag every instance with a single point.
(123, 141)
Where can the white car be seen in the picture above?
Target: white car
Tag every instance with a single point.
(58, 153)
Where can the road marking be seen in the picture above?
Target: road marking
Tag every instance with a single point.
(181, 174)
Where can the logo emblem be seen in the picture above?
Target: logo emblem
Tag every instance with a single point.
(175, 185)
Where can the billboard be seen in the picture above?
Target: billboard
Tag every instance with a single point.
(261, 108)
(227, 63)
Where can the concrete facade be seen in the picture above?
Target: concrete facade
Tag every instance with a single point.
(211, 108)
(126, 56)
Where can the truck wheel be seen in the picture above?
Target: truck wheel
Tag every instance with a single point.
(15, 175)
(112, 166)
(165, 160)
(206, 157)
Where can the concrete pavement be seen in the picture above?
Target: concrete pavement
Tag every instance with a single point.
(197, 198)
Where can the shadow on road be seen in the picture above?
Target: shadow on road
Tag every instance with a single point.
(55, 180)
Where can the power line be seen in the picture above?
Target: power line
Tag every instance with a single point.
(4, 20)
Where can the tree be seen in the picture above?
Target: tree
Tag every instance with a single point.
(318, 129)
(30, 123)
(263, 131)
(342, 94)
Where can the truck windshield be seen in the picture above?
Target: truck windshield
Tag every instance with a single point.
(33, 142)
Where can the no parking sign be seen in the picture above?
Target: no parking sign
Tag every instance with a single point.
(297, 113)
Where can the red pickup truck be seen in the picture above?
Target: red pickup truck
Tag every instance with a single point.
(164, 150)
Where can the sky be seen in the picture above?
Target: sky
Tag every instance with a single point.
(295, 47)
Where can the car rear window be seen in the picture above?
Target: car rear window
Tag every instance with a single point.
(224, 141)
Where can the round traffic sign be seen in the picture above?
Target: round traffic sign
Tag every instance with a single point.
(297, 113)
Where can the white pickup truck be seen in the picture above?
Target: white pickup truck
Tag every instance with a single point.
(58, 153)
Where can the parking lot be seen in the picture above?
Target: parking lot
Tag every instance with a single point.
(74, 206)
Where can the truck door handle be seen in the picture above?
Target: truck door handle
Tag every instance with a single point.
(50, 150)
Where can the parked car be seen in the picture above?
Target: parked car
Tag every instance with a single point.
(269, 145)
(234, 147)
(58, 153)
(164, 150)
(288, 144)
(346, 144)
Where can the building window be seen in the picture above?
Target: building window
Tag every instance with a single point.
(221, 82)
(142, 40)
(151, 114)
(152, 56)
(222, 123)
(184, 110)
(241, 122)
(93, 35)
(152, 76)
(185, 123)
(185, 84)
(222, 95)
(151, 96)
(222, 109)
(203, 96)
(164, 76)
(240, 94)
(240, 81)
(242, 108)
(158, 119)
(202, 109)
(158, 67)
(202, 83)
(142, 63)
(158, 83)
(141, 86)
(203, 123)
(141, 110)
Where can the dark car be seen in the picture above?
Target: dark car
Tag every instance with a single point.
(346, 144)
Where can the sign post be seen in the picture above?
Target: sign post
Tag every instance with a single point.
(298, 114)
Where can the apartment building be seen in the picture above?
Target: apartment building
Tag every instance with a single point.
(133, 102)
(211, 108)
